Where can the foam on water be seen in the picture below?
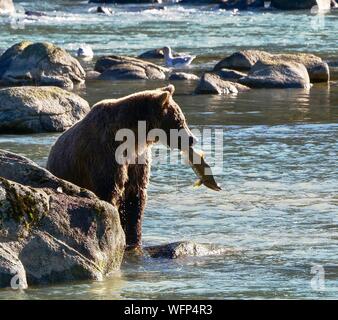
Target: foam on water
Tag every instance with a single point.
(133, 29)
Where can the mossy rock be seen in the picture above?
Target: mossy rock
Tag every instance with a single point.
(274, 74)
(40, 63)
(10, 54)
(244, 60)
(39, 109)
(52, 231)
(127, 68)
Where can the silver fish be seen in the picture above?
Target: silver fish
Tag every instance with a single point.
(202, 170)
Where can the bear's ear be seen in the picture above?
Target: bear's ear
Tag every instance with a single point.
(163, 98)
(170, 88)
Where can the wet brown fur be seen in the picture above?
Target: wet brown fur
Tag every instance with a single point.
(85, 154)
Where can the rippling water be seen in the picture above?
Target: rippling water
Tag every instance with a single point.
(207, 31)
(279, 204)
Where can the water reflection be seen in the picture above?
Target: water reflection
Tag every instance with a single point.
(110, 288)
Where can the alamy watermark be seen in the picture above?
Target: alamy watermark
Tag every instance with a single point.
(318, 280)
(17, 282)
(133, 146)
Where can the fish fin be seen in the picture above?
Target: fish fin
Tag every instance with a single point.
(198, 183)
(200, 153)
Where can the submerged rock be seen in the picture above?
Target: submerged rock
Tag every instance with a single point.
(333, 66)
(7, 7)
(39, 109)
(35, 13)
(230, 75)
(242, 4)
(156, 54)
(126, 68)
(183, 76)
(92, 75)
(152, 54)
(228, 4)
(183, 249)
(199, 2)
(39, 64)
(51, 230)
(85, 52)
(125, 1)
(282, 75)
(244, 60)
(212, 83)
(105, 10)
(293, 4)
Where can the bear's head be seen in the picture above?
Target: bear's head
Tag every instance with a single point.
(172, 120)
(163, 118)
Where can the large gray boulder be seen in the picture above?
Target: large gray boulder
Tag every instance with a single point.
(317, 68)
(51, 230)
(7, 7)
(127, 68)
(244, 60)
(279, 75)
(212, 83)
(39, 64)
(39, 109)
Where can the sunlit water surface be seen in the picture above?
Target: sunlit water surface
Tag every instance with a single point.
(279, 204)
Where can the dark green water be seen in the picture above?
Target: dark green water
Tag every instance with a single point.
(279, 204)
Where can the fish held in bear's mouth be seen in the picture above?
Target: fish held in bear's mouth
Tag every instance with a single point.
(202, 170)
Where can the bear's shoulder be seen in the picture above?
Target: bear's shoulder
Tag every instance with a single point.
(134, 97)
(106, 102)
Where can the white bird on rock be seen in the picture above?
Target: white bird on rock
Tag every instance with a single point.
(181, 61)
(85, 51)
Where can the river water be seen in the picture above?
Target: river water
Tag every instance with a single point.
(278, 210)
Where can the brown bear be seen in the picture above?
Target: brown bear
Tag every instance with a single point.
(86, 154)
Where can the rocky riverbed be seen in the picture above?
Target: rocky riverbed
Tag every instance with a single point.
(35, 205)
(52, 231)
(48, 109)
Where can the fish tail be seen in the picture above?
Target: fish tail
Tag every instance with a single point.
(198, 183)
